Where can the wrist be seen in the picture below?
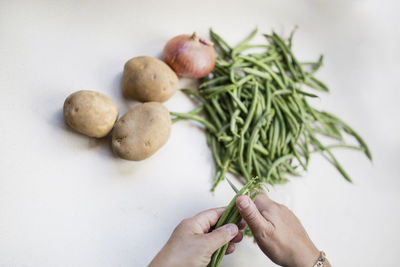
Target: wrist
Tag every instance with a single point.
(164, 259)
(322, 261)
(307, 257)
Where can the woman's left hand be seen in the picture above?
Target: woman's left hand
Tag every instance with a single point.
(192, 243)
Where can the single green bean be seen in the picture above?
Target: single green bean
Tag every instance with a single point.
(250, 115)
(206, 123)
(195, 111)
(237, 49)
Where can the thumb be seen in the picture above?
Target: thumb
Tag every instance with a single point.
(221, 236)
(250, 214)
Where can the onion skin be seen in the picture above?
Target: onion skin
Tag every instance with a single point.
(190, 56)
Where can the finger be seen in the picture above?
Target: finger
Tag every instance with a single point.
(221, 236)
(250, 213)
(206, 219)
(237, 238)
(230, 249)
(242, 225)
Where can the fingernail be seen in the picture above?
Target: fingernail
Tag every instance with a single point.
(232, 229)
(244, 202)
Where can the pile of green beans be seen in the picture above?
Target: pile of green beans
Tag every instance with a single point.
(254, 106)
(232, 215)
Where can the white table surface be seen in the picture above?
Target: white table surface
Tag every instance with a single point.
(65, 200)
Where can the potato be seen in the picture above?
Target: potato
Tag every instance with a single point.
(141, 131)
(148, 79)
(90, 113)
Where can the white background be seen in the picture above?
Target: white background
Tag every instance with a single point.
(65, 200)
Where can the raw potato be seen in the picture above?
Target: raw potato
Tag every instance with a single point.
(90, 113)
(148, 79)
(141, 131)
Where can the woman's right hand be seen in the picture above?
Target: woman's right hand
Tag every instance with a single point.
(278, 232)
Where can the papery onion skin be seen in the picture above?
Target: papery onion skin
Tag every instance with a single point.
(190, 56)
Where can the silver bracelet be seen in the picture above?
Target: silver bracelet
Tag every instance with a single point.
(321, 260)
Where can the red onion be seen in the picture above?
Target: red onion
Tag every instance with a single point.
(189, 56)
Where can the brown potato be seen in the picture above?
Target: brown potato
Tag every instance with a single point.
(141, 131)
(148, 79)
(90, 113)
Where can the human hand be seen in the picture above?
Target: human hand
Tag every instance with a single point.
(192, 243)
(278, 232)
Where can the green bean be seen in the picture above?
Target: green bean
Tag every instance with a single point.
(306, 93)
(208, 138)
(206, 105)
(214, 81)
(277, 162)
(266, 68)
(220, 70)
(193, 112)
(285, 79)
(270, 58)
(317, 66)
(257, 73)
(259, 108)
(232, 74)
(261, 165)
(289, 118)
(297, 156)
(246, 47)
(306, 147)
(285, 55)
(282, 92)
(291, 37)
(206, 123)
(340, 146)
(280, 117)
(220, 43)
(222, 63)
(350, 131)
(291, 170)
(227, 104)
(253, 139)
(223, 170)
(233, 122)
(332, 158)
(260, 148)
(251, 111)
(288, 50)
(320, 84)
(275, 138)
(244, 42)
(215, 103)
(327, 130)
(241, 160)
(233, 170)
(256, 165)
(239, 103)
(244, 80)
(210, 92)
(215, 152)
(225, 138)
(316, 84)
(262, 100)
(240, 120)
